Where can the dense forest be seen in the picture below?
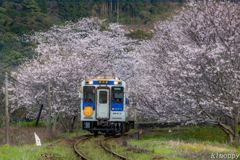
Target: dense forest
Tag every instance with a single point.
(23, 16)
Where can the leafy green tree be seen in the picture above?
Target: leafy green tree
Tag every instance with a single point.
(42, 5)
(63, 10)
(5, 50)
(153, 10)
(23, 13)
(37, 21)
(15, 58)
(73, 11)
(20, 28)
(9, 38)
(5, 22)
(1, 41)
(2, 10)
(8, 5)
(138, 7)
(30, 6)
(12, 13)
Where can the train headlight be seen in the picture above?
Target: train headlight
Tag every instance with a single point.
(91, 82)
(88, 111)
(116, 83)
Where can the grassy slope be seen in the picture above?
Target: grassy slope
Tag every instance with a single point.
(186, 143)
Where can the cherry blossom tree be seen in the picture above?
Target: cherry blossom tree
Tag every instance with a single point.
(192, 67)
(188, 72)
(67, 55)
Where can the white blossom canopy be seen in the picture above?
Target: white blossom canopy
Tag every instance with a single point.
(67, 55)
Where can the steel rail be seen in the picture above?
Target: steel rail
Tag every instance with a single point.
(107, 149)
(75, 148)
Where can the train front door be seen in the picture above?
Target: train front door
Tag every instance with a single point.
(103, 107)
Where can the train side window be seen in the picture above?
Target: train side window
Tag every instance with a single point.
(117, 94)
(103, 97)
(89, 94)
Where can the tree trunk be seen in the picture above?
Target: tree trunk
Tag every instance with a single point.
(110, 15)
(104, 8)
(117, 10)
(129, 11)
(54, 121)
(74, 121)
(230, 138)
(133, 9)
(236, 135)
(69, 123)
(61, 121)
(228, 131)
(107, 8)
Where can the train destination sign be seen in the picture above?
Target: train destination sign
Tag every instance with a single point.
(103, 82)
(117, 89)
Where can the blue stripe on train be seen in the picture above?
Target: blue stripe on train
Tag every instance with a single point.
(117, 107)
(89, 104)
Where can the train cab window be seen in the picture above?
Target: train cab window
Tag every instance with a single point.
(103, 97)
(117, 94)
(89, 94)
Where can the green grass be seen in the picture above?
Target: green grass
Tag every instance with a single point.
(182, 143)
(185, 143)
(191, 134)
(97, 153)
(143, 155)
(29, 152)
(158, 147)
(100, 153)
(74, 134)
(132, 131)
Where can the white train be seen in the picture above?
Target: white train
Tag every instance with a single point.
(103, 106)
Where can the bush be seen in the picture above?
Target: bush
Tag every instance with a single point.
(4, 150)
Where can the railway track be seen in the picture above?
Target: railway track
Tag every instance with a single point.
(107, 149)
(76, 150)
(104, 147)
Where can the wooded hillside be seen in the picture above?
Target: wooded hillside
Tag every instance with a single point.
(22, 16)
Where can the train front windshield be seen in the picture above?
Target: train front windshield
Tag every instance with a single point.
(117, 94)
(89, 94)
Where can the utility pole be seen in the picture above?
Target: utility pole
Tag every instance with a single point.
(77, 122)
(6, 108)
(50, 111)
